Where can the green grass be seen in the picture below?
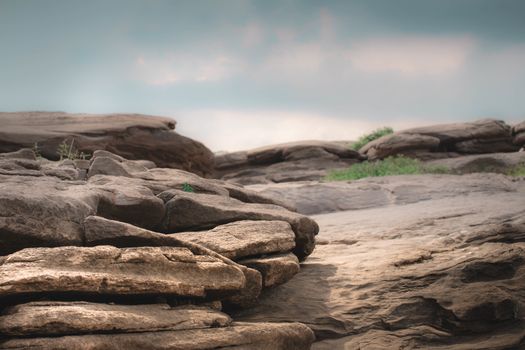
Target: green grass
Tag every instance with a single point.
(363, 140)
(186, 187)
(517, 171)
(390, 166)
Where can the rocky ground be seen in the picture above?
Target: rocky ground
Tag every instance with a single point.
(418, 262)
(128, 250)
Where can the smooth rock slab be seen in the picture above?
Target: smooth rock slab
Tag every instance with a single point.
(53, 318)
(106, 270)
(275, 269)
(244, 238)
(239, 336)
(193, 211)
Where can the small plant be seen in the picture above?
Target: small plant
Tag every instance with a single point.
(36, 150)
(399, 165)
(517, 171)
(374, 135)
(68, 151)
(186, 187)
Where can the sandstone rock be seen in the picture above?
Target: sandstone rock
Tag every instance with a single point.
(24, 153)
(199, 211)
(518, 132)
(440, 267)
(106, 270)
(55, 318)
(245, 238)
(106, 166)
(295, 161)
(394, 144)
(132, 136)
(275, 269)
(483, 136)
(493, 162)
(239, 336)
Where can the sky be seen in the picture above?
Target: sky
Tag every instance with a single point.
(238, 74)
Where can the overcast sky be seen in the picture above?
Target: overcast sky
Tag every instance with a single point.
(237, 74)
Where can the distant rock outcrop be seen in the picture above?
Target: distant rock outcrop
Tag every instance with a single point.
(132, 136)
(518, 132)
(445, 140)
(295, 161)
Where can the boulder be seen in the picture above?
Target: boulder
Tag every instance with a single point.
(294, 161)
(132, 136)
(445, 140)
(518, 133)
(200, 211)
(106, 270)
(492, 162)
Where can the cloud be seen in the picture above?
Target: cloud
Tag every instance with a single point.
(236, 129)
(178, 68)
(411, 56)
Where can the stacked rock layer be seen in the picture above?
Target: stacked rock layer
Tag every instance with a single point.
(119, 254)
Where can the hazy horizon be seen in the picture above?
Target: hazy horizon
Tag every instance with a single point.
(240, 74)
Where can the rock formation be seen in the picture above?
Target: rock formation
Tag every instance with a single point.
(518, 132)
(295, 161)
(445, 140)
(132, 136)
(419, 262)
(114, 253)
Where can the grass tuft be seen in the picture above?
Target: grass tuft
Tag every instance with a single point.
(186, 187)
(363, 140)
(389, 166)
(517, 171)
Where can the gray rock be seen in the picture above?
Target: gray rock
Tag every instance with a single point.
(493, 162)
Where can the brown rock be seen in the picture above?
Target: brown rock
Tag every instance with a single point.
(238, 336)
(199, 211)
(275, 269)
(55, 318)
(105, 270)
(394, 144)
(132, 136)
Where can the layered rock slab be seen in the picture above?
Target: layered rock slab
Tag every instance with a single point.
(106, 270)
(199, 211)
(239, 336)
(132, 136)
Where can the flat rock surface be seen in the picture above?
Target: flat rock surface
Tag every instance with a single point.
(133, 136)
(106, 270)
(442, 270)
(64, 318)
(238, 336)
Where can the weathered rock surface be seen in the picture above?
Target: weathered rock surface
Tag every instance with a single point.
(239, 336)
(518, 132)
(295, 161)
(275, 269)
(186, 211)
(106, 270)
(445, 140)
(55, 318)
(491, 162)
(440, 267)
(132, 136)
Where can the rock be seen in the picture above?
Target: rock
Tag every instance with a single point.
(325, 197)
(440, 267)
(42, 211)
(275, 269)
(55, 318)
(240, 336)
(132, 136)
(245, 238)
(295, 161)
(200, 211)
(518, 133)
(398, 144)
(106, 270)
(482, 136)
(106, 166)
(493, 162)
(24, 153)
